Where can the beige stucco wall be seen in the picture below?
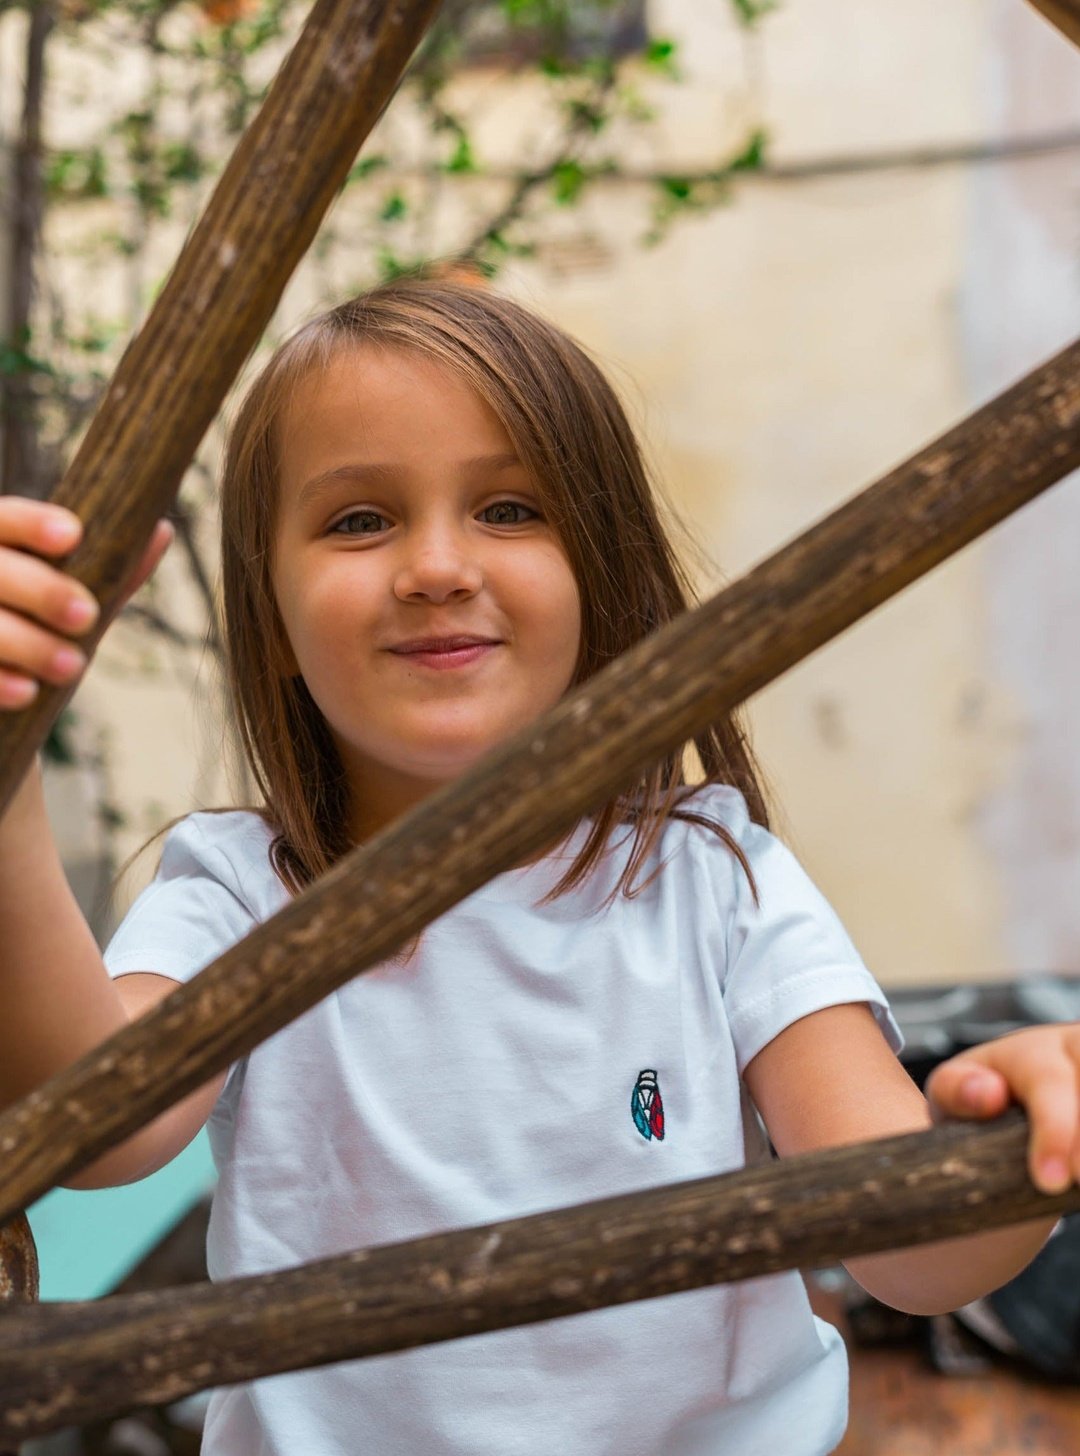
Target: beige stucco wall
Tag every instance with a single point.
(780, 353)
(792, 347)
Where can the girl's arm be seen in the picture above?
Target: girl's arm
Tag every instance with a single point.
(57, 1001)
(832, 1079)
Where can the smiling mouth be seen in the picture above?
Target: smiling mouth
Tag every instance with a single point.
(445, 651)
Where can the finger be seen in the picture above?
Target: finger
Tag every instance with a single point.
(1072, 1048)
(29, 651)
(54, 598)
(16, 691)
(1043, 1077)
(38, 526)
(1053, 1114)
(966, 1087)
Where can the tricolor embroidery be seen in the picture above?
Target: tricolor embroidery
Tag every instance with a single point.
(647, 1107)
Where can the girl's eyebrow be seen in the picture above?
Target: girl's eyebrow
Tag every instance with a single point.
(377, 473)
(323, 483)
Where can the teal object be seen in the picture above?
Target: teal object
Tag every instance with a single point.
(88, 1241)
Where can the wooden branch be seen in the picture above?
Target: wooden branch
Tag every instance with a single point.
(18, 1276)
(18, 1262)
(263, 214)
(62, 1364)
(1064, 15)
(530, 790)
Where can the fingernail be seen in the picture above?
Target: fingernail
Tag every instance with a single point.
(20, 693)
(972, 1087)
(80, 612)
(1054, 1175)
(62, 526)
(68, 661)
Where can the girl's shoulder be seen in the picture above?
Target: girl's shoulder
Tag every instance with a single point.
(724, 851)
(709, 821)
(719, 803)
(231, 846)
(233, 833)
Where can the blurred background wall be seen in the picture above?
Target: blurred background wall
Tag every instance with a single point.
(910, 248)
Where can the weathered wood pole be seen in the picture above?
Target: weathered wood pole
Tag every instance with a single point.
(18, 1279)
(265, 210)
(63, 1364)
(1064, 15)
(533, 788)
(18, 1262)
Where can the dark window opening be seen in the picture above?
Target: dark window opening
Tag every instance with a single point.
(572, 32)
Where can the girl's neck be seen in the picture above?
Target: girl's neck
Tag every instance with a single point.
(380, 800)
(376, 800)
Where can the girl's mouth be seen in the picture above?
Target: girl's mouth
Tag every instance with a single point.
(445, 652)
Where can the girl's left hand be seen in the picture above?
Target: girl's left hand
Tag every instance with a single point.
(1039, 1068)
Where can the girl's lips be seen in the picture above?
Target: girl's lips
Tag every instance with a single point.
(446, 656)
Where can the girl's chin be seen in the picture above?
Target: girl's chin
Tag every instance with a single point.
(439, 763)
(446, 768)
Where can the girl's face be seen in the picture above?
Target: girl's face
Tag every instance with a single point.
(427, 603)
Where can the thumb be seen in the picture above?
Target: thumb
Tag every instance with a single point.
(967, 1088)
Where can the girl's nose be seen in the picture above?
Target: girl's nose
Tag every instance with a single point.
(438, 570)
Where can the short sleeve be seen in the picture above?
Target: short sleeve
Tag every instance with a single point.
(191, 912)
(788, 955)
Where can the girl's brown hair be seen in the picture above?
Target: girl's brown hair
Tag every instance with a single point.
(576, 443)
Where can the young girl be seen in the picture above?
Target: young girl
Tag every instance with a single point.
(435, 522)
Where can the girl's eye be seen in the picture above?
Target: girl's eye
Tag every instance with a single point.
(368, 523)
(507, 513)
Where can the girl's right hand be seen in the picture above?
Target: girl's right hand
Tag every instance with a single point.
(42, 607)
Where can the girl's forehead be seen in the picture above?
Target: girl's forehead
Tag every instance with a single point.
(384, 405)
(379, 398)
(362, 382)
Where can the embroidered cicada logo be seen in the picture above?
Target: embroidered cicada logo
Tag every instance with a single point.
(647, 1107)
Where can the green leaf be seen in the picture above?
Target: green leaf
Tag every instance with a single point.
(365, 166)
(394, 208)
(76, 173)
(586, 115)
(181, 162)
(15, 360)
(58, 747)
(391, 266)
(751, 11)
(461, 160)
(660, 55)
(567, 180)
(752, 158)
(97, 337)
(676, 189)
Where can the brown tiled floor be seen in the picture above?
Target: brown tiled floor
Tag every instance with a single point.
(900, 1407)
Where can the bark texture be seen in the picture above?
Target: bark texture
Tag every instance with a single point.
(18, 1262)
(61, 1364)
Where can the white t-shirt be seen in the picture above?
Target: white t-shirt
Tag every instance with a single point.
(525, 1058)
